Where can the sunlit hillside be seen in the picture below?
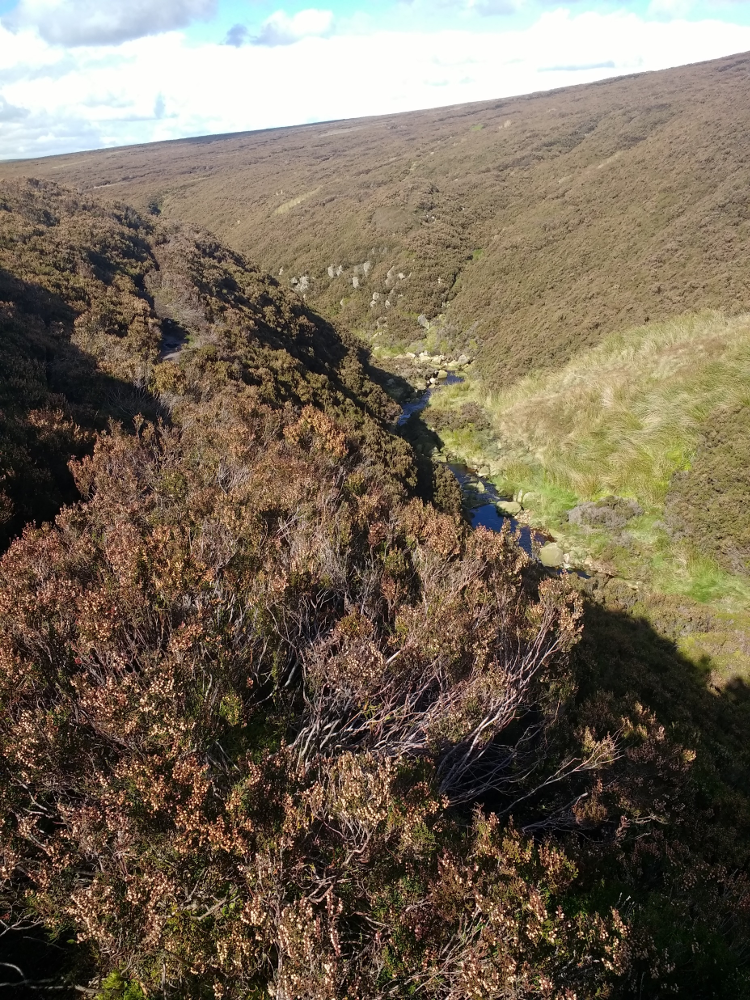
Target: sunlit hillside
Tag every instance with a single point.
(526, 228)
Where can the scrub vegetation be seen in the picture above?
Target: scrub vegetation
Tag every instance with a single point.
(521, 230)
(275, 722)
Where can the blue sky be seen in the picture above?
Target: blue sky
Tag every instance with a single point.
(84, 74)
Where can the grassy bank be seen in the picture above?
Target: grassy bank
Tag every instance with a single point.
(620, 419)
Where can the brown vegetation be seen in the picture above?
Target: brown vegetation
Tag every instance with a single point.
(532, 225)
(709, 503)
(271, 725)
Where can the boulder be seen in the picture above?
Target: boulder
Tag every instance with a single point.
(508, 508)
(464, 359)
(551, 555)
(442, 374)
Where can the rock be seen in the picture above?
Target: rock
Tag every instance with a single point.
(508, 508)
(355, 281)
(424, 322)
(424, 356)
(464, 359)
(611, 513)
(442, 374)
(551, 556)
(483, 471)
(411, 355)
(529, 499)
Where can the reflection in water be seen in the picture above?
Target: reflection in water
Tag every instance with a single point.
(480, 494)
(486, 514)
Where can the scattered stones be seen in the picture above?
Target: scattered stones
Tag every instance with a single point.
(551, 556)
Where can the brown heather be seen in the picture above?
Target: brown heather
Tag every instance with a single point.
(532, 225)
(274, 725)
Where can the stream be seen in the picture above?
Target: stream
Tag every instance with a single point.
(484, 514)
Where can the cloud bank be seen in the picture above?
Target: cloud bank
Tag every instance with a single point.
(56, 100)
(105, 22)
(281, 29)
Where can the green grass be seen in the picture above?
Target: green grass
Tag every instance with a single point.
(620, 418)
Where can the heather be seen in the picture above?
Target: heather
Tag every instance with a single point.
(275, 721)
(522, 230)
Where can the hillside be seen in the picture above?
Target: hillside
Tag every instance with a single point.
(270, 723)
(94, 299)
(523, 229)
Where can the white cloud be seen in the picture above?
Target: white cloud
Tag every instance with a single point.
(105, 22)
(165, 88)
(10, 113)
(281, 29)
(671, 8)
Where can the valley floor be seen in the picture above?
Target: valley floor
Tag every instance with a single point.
(653, 415)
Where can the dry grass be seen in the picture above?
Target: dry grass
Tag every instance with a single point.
(620, 418)
(623, 417)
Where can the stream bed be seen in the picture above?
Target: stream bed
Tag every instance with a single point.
(473, 486)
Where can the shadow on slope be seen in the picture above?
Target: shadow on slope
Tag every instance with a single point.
(53, 400)
(684, 885)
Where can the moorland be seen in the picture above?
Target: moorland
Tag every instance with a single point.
(275, 721)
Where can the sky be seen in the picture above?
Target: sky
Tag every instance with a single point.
(87, 74)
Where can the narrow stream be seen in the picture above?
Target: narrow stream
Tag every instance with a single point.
(484, 514)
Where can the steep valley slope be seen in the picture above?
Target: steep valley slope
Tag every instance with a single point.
(270, 724)
(273, 720)
(526, 228)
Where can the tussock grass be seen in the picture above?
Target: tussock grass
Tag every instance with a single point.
(624, 416)
(620, 418)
